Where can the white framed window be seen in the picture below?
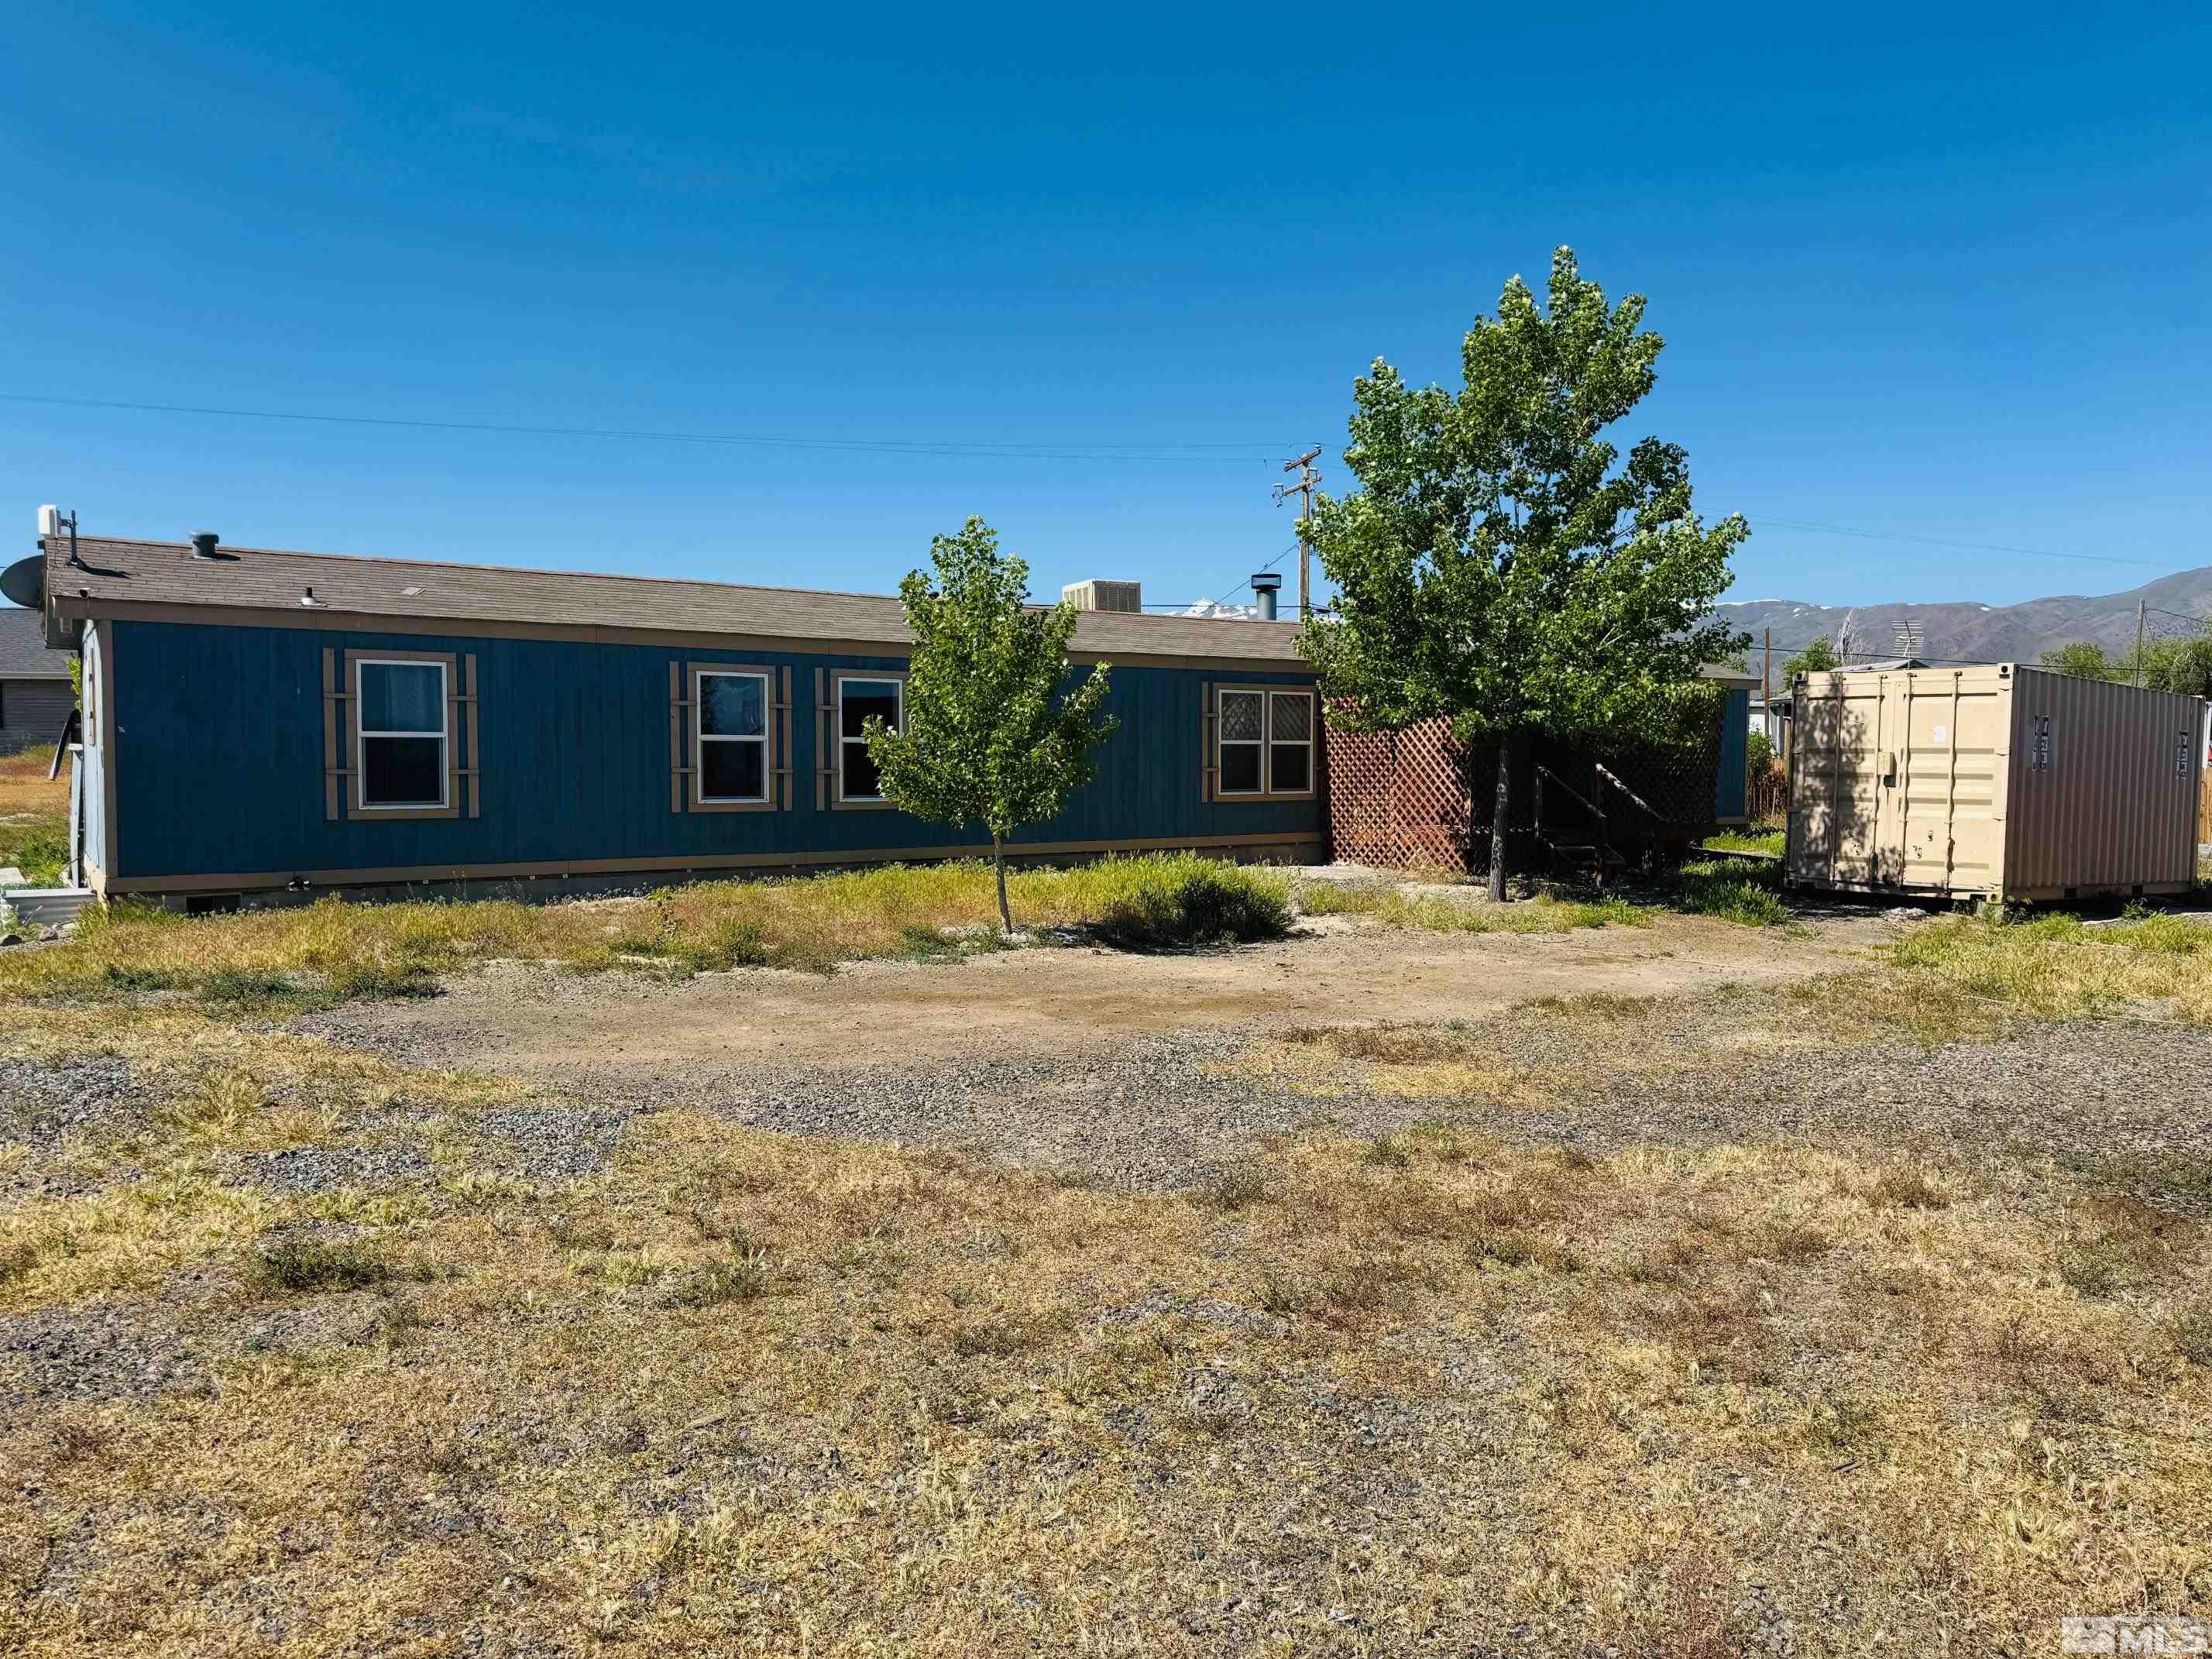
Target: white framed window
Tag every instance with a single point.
(1243, 743)
(402, 760)
(861, 697)
(733, 711)
(1264, 742)
(1290, 743)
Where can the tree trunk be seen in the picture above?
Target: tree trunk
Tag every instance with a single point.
(999, 863)
(1498, 820)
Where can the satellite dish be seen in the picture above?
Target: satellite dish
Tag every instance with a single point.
(25, 582)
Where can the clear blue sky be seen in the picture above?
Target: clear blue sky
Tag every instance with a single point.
(1937, 273)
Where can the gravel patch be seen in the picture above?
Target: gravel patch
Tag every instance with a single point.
(1167, 1111)
(92, 1355)
(1153, 1114)
(302, 1171)
(1204, 1309)
(554, 1143)
(45, 1101)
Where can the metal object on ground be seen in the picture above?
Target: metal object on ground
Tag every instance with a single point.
(1993, 781)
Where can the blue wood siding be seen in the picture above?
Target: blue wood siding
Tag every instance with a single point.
(219, 758)
(1735, 734)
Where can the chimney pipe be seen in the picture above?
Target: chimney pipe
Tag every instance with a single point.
(203, 542)
(1266, 585)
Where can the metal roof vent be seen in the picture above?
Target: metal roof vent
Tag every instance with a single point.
(1266, 585)
(308, 598)
(203, 542)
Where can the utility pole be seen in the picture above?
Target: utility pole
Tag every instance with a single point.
(2141, 613)
(1766, 683)
(1307, 478)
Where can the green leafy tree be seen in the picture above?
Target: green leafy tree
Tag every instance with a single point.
(2084, 659)
(1817, 657)
(1498, 565)
(994, 732)
(1757, 754)
(2182, 666)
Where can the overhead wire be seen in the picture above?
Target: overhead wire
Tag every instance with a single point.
(1943, 541)
(943, 448)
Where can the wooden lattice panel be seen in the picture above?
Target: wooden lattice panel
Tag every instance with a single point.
(1399, 799)
(1409, 799)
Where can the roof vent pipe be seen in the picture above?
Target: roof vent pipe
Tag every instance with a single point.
(203, 542)
(1266, 585)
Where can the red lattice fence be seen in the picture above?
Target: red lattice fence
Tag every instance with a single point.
(1419, 800)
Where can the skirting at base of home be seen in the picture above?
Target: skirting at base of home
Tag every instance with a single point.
(587, 878)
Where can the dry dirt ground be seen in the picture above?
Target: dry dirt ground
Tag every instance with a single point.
(1063, 1001)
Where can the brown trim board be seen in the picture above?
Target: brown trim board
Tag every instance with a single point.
(587, 866)
(110, 828)
(361, 622)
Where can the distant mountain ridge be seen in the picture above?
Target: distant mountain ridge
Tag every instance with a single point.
(1963, 631)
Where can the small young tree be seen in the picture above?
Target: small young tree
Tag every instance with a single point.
(2182, 666)
(2085, 659)
(994, 734)
(1495, 567)
(1818, 658)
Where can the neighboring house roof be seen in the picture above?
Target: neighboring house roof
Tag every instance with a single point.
(125, 575)
(23, 652)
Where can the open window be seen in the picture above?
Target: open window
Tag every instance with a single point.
(1264, 743)
(859, 698)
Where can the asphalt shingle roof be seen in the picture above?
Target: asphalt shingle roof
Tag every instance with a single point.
(23, 652)
(253, 578)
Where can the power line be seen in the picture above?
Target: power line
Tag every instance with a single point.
(1120, 452)
(1942, 541)
(1270, 565)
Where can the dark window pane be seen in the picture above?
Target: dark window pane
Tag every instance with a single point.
(402, 696)
(861, 782)
(863, 698)
(1240, 715)
(733, 705)
(1293, 717)
(733, 771)
(403, 771)
(1240, 768)
(1293, 766)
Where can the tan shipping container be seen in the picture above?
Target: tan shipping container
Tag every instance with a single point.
(1994, 781)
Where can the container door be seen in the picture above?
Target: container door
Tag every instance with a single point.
(1836, 815)
(1952, 750)
(1897, 834)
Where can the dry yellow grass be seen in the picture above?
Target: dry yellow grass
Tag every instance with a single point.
(1434, 1392)
(2054, 965)
(1585, 1042)
(744, 1393)
(333, 949)
(1601, 1403)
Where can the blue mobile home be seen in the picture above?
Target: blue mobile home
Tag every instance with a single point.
(259, 723)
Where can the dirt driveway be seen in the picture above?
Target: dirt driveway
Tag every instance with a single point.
(521, 1019)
